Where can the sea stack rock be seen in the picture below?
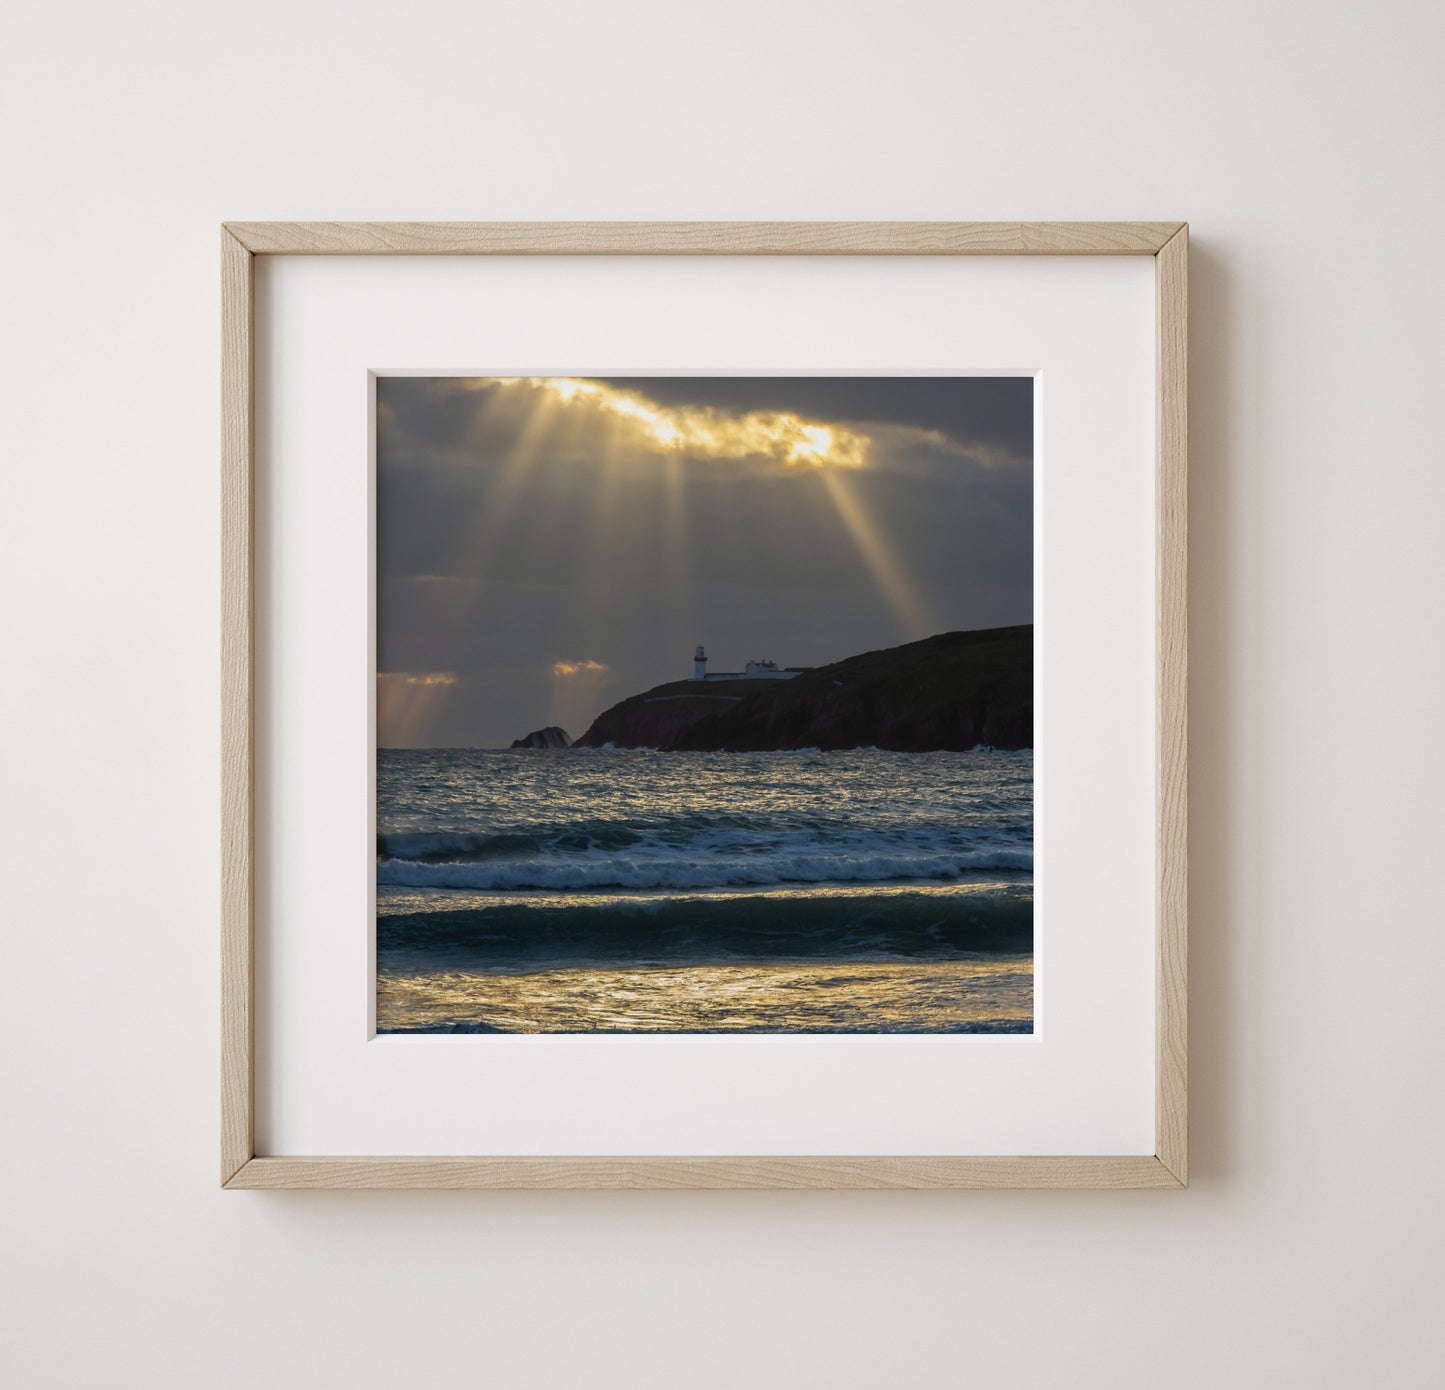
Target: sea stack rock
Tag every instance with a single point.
(550, 737)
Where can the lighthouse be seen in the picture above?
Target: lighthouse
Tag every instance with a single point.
(754, 671)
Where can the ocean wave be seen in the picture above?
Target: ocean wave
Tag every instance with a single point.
(492, 822)
(685, 873)
(759, 927)
(702, 853)
(430, 846)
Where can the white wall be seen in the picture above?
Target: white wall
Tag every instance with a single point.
(1303, 145)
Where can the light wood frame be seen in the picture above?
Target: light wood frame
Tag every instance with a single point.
(242, 242)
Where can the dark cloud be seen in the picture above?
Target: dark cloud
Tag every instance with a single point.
(990, 413)
(987, 411)
(496, 572)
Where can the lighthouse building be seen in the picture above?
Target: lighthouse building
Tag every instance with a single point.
(753, 671)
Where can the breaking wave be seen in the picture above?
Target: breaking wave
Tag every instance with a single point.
(900, 925)
(604, 856)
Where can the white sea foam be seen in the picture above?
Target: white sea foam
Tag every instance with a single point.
(492, 822)
(695, 872)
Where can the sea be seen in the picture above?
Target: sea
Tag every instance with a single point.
(630, 891)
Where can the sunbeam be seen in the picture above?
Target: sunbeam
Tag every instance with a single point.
(575, 692)
(624, 506)
(899, 592)
(407, 701)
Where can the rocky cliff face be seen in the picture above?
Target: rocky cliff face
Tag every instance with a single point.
(550, 737)
(660, 717)
(953, 691)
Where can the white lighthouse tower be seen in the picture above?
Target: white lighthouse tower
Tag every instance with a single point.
(699, 664)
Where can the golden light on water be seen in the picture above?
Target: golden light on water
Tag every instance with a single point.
(977, 993)
(794, 997)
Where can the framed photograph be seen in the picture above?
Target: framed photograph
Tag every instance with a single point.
(705, 705)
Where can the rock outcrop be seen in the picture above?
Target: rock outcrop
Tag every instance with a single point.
(953, 691)
(550, 737)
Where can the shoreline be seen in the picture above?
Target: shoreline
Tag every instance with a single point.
(396, 899)
(984, 996)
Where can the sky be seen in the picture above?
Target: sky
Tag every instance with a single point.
(548, 546)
